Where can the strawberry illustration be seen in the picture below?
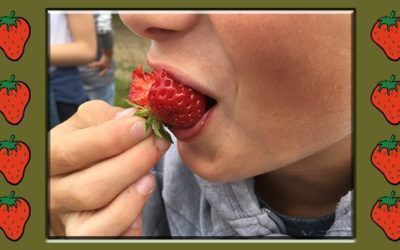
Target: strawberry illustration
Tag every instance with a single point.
(14, 157)
(14, 33)
(386, 34)
(14, 213)
(163, 100)
(386, 158)
(386, 214)
(386, 99)
(14, 97)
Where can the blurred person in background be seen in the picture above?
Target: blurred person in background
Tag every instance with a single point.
(98, 76)
(72, 42)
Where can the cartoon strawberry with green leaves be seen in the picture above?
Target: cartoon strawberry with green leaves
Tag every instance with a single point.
(14, 158)
(14, 214)
(386, 34)
(14, 97)
(386, 214)
(162, 100)
(386, 98)
(386, 158)
(14, 33)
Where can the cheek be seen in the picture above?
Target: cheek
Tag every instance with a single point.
(295, 66)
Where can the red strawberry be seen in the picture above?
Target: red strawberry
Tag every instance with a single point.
(161, 99)
(14, 213)
(14, 33)
(386, 214)
(386, 34)
(14, 96)
(386, 158)
(386, 98)
(14, 157)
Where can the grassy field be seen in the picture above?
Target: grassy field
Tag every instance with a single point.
(129, 52)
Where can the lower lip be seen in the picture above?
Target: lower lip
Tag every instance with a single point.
(184, 134)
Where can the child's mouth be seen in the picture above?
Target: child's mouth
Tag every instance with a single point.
(185, 134)
(163, 100)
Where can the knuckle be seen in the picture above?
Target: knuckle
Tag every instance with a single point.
(86, 196)
(90, 107)
(61, 156)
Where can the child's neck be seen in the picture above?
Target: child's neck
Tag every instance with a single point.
(311, 187)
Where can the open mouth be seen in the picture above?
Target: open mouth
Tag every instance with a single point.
(210, 103)
(185, 134)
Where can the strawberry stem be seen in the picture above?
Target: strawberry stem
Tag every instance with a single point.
(389, 145)
(389, 201)
(389, 85)
(12, 78)
(152, 122)
(10, 20)
(9, 201)
(389, 21)
(9, 145)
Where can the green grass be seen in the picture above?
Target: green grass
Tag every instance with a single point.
(121, 93)
(129, 52)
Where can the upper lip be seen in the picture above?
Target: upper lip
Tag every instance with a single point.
(181, 77)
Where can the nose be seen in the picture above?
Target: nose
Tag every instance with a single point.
(159, 26)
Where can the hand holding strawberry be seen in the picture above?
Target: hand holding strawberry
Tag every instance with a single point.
(79, 206)
(386, 214)
(162, 100)
(14, 157)
(14, 213)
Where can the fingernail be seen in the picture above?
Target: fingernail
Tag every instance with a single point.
(162, 144)
(145, 184)
(125, 113)
(137, 223)
(138, 130)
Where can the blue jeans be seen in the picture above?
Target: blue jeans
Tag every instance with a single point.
(53, 116)
(65, 87)
(105, 93)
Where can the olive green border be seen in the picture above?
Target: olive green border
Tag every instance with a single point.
(371, 66)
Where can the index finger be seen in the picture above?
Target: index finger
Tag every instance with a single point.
(82, 148)
(89, 114)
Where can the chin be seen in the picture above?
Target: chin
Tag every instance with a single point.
(204, 164)
(213, 165)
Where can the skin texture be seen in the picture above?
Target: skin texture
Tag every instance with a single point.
(82, 49)
(283, 86)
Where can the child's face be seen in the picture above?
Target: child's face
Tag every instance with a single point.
(282, 84)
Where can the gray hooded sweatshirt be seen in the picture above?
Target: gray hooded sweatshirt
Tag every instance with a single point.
(185, 205)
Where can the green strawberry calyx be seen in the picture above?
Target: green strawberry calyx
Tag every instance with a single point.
(10, 84)
(10, 20)
(152, 121)
(389, 145)
(389, 84)
(389, 21)
(9, 145)
(389, 201)
(9, 201)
